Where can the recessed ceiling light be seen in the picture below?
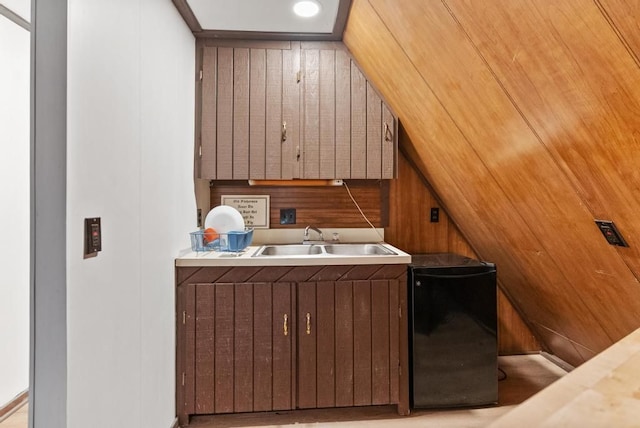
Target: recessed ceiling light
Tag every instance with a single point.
(306, 8)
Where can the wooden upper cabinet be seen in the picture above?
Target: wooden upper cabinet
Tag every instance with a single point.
(290, 110)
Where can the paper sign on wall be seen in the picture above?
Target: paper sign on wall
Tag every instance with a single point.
(254, 209)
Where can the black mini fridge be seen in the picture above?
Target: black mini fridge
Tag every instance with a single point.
(453, 352)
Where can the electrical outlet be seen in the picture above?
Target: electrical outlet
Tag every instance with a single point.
(435, 215)
(611, 233)
(288, 216)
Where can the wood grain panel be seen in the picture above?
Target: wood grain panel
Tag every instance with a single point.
(243, 351)
(380, 376)
(358, 123)
(511, 206)
(283, 371)
(257, 114)
(343, 109)
(327, 89)
(624, 16)
(311, 114)
(307, 350)
(205, 317)
(266, 332)
(240, 114)
(223, 347)
(512, 230)
(184, 273)
(208, 274)
(374, 133)
(185, 352)
(344, 343)
(291, 112)
(224, 127)
(325, 342)
(362, 343)
(273, 150)
(269, 274)
(584, 38)
(320, 206)
(411, 199)
(238, 275)
(394, 338)
(330, 273)
(208, 128)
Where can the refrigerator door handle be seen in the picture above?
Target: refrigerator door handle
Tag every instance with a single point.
(470, 275)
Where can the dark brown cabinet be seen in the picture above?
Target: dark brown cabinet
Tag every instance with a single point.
(330, 340)
(284, 110)
(345, 332)
(235, 347)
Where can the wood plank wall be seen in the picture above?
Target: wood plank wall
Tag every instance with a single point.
(410, 228)
(523, 116)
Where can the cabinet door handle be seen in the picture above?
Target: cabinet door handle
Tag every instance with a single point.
(388, 135)
(284, 131)
(308, 323)
(285, 325)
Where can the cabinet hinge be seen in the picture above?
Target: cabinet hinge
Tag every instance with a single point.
(298, 76)
(184, 317)
(201, 74)
(184, 376)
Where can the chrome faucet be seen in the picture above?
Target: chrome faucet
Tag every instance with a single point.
(306, 233)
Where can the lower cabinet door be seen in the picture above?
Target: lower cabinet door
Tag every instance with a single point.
(242, 355)
(347, 343)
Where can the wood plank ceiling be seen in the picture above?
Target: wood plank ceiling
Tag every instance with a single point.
(524, 116)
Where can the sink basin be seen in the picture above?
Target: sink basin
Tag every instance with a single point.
(288, 250)
(358, 250)
(323, 250)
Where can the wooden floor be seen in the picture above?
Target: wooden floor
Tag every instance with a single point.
(526, 375)
(17, 419)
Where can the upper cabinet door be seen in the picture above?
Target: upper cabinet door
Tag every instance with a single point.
(347, 130)
(249, 111)
(285, 110)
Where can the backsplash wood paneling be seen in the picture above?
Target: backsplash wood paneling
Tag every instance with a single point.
(323, 207)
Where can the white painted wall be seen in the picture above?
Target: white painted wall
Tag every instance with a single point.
(14, 214)
(130, 162)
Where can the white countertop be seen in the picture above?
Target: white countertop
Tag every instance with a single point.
(214, 258)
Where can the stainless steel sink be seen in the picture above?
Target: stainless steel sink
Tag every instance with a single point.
(288, 250)
(323, 250)
(358, 250)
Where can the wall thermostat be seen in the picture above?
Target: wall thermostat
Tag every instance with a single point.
(92, 235)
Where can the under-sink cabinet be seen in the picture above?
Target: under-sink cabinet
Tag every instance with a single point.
(279, 338)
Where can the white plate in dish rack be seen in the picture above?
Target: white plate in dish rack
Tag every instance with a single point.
(223, 219)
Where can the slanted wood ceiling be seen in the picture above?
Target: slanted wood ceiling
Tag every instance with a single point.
(524, 116)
